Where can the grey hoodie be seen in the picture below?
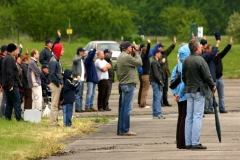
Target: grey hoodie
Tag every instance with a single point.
(34, 73)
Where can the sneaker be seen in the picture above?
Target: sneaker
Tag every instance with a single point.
(88, 110)
(159, 117)
(147, 106)
(101, 110)
(130, 133)
(94, 110)
(199, 146)
(108, 109)
(224, 111)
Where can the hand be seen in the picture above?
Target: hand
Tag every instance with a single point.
(174, 40)
(164, 60)
(158, 41)
(204, 37)
(108, 65)
(59, 33)
(95, 46)
(218, 42)
(149, 41)
(176, 98)
(214, 89)
(20, 45)
(61, 102)
(193, 37)
(231, 41)
(78, 78)
(11, 89)
(135, 50)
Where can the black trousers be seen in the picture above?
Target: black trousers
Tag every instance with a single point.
(180, 135)
(165, 92)
(108, 93)
(102, 94)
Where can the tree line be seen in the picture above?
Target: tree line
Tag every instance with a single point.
(111, 19)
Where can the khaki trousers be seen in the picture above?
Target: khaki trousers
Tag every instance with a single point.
(37, 98)
(54, 104)
(145, 88)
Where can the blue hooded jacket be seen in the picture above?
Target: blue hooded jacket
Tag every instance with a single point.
(90, 67)
(183, 52)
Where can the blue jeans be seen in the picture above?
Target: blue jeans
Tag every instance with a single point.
(156, 103)
(125, 107)
(193, 122)
(79, 96)
(67, 114)
(91, 89)
(13, 101)
(220, 90)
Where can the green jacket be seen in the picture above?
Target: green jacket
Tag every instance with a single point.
(165, 53)
(196, 74)
(126, 67)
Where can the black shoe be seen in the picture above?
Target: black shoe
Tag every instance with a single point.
(168, 105)
(208, 112)
(188, 147)
(108, 109)
(79, 111)
(199, 146)
(224, 111)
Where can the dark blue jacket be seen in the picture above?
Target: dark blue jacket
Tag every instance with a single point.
(44, 81)
(218, 61)
(46, 54)
(146, 61)
(68, 91)
(90, 67)
(209, 58)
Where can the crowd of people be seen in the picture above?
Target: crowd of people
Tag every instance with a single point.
(199, 64)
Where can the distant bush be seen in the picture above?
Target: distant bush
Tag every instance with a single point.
(233, 28)
(133, 38)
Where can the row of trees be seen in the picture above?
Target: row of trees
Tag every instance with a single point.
(110, 19)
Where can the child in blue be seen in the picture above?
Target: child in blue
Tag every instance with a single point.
(68, 97)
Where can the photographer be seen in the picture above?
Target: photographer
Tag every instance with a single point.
(156, 80)
(127, 62)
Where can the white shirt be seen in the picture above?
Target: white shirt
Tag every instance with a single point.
(83, 71)
(99, 64)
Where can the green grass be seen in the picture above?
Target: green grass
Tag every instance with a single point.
(25, 140)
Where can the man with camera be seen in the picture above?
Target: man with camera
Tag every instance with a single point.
(127, 62)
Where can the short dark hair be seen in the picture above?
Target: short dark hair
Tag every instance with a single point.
(193, 45)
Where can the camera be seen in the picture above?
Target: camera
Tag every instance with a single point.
(134, 48)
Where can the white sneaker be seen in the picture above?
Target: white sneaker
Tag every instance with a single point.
(159, 117)
(147, 107)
